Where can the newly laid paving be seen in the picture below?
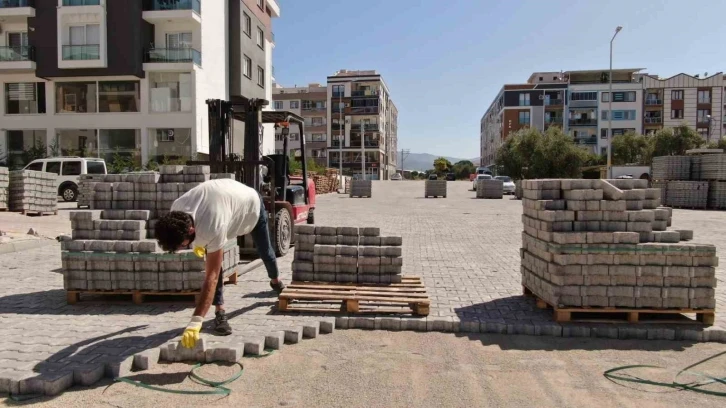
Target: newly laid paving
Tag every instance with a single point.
(466, 250)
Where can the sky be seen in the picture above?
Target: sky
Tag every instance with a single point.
(444, 61)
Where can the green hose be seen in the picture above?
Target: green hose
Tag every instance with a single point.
(693, 386)
(218, 387)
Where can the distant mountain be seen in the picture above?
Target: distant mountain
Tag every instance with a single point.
(425, 161)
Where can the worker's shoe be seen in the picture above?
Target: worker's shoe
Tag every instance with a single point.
(221, 326)
(277, 287)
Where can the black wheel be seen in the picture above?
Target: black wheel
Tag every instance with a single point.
(283, 232)
(69, 192)
(311, 217)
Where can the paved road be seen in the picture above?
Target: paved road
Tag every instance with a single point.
(465, 249)
(356, 368)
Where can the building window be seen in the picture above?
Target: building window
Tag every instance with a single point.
(247, 67)
(583, 96)
(278, 105)
(605, 97)
(338, 91)
(176, 41)
(703, 132)
(703, 115)
(170, 92)
(83, 43)
(524, 118)
(676, 113)
(75, 97)
(619, 115)
(524, 99)
(169, 144)
(260, 76)
(279, 137)
(24, 98)
(307, 105)
(247, 24)
(317, 122)
(704, 96)
(260, 38)
(123, 142)
(294, 137)
(677, 95)
(318, 137)
(603, 133)
(261, 4)
(118, 96)
(294, 104)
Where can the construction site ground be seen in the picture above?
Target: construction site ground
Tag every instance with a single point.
(465, 249)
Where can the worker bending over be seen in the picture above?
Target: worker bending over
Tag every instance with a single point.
(206, 217)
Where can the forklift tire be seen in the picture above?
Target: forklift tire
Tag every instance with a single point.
(283, 232)
(311, 217)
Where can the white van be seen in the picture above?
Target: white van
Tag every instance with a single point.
(69, 170)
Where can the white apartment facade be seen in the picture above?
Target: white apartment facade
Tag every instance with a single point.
(88, 88)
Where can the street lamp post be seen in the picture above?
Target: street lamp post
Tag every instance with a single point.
(610, 106)
(340, 142)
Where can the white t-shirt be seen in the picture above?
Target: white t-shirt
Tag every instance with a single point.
(222, 209)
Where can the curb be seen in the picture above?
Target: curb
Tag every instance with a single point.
(11, 247)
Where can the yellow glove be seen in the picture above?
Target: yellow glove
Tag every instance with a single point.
(191, 333)
(200, 251)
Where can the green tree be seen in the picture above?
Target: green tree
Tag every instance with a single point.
(631, 148)
(441, 165)
(675, 141)
(463, 169)
(721, 144)
(414, 175)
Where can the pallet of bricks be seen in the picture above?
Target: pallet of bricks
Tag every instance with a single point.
(361, 188)
(693, 182)
(116, 253)
(33, 192)
(435, 188)
(86, 188)
(355, 266)
(491, 188)
(712, 169)
(603, 246)
(4, 184)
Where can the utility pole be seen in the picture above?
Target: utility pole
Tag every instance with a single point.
(341, 136)
(404, 155)
(610, 106)
(363, 148)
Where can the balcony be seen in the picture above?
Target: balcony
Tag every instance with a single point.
(583, 104)
(583, 122)
(363, 110)
(174, 11)
(171, 56)
(87, 52)
(586, 140)
(651, 102)
(75, 3)
(17, 8)
(369, 127)
(553, 102)
(364, 93)
(17, 58)
(652, 120)
(310, 126)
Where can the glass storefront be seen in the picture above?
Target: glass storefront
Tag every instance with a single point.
(124, 142)
(77, 142)
(169, 144)
(24, 98)
(75, 97)
(24, 146)
(170, 92)
(119, 96)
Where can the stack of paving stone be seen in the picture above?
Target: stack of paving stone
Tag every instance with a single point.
(361, 188)
(717, 195)
(589, 243)
(111, 253)
(671, 168)
(346, 255)
(688, 194)
(33, 191)
(86, 188)
(435, 188)
(713, 167)
(489, 188)
(4, 184)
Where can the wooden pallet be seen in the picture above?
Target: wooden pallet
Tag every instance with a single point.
(39, 213)
(138, 296)
(407, 297)
(620, 314)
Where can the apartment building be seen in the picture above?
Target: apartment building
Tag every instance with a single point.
(363, 124)
(354, 114)
(310, 102)
(698, 102)
(105, 77)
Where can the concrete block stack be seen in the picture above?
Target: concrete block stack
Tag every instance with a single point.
(33, 191)
(717, 194)
(346, 255)
(361, 188)
(688, 194)
(4, 184)
(435, 188)
(489, 188)
(593, 243)
(86, 188)
(671, 168)
(111, 253)
(713, 167)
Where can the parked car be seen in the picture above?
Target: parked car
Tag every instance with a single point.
(69, 171)
(450, 177)
(396, 177)
(508, 186)
(433, 177)
(480, 177)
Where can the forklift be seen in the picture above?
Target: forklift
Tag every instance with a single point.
(288, 200)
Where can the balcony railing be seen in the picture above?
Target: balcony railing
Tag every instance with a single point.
(704, 100)
(337, 143)
(314, 108)
(87, 52)
(553, 120)
(368, 92)
(702, 120)
(369, 143)
(11, 54)
(550, 102)
(653, 120)
(174, 55)
(369, 127)
(583, 122)
(654, 101)
(16, 3)
(81, 2)
(309, 125)
(163, 5)
(338, 95)
(586, 140)
(364, 110)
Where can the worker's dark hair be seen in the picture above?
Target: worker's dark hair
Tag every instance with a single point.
(172, 229)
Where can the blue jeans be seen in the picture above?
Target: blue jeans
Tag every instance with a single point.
(261, 238)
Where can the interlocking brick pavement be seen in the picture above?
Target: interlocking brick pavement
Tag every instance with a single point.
(466, 250)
